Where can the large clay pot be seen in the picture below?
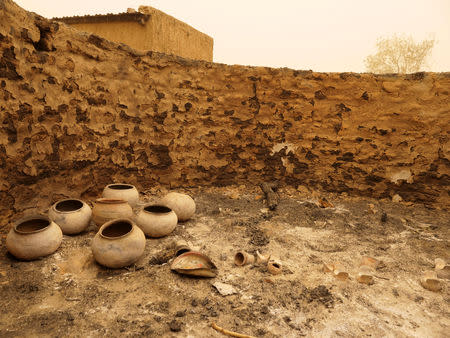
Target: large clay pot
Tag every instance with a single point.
(107, 209)
(33, 237)
(182, 204)
(72, 215)
(156, 220)
(122, 191)
(118, 243)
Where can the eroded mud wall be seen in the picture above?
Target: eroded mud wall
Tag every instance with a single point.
(77, 112)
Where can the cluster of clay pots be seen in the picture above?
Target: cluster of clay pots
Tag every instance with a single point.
(120, 240)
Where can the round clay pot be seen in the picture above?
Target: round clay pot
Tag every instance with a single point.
(122, 191)
(182, 204)
(107, 209)
(156, 220)
(72, 215)
(33, 237)
(118, 243)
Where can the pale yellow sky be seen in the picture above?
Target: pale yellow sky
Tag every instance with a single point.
(323, 35)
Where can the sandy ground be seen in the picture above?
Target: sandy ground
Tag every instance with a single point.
(68, 294)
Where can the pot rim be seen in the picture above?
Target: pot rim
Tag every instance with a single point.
(157, 205)
(129, 186)
(127, 220)
(29, 218)
(64, 200)
(104, 200)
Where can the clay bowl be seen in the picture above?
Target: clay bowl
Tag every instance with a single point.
(107, 209)
(182, 204)
(72, 215)
(33, 237)
(118, 243)
(122, 191)
(194, 263)
(156, 220)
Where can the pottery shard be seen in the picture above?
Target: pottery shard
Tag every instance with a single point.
(365, 274)
(442, 268)
(224, 289)
(430, 281)
(370, 262)
(339, 272)
(194, 264)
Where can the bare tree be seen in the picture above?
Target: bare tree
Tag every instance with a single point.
(399, 55)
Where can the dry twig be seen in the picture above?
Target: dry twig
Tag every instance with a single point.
(229, 333)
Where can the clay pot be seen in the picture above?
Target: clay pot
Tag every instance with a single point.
(156, 220)
(107, 209)
(118, 243)
(122, 191)
(274, 267)
(182, 204)
(33, 237)
(72, 215)
(242, 258)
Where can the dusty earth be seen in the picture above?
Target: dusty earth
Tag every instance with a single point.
(67, 293)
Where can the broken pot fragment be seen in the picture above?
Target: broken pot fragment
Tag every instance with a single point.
(430, 281)
(339, 272)
(370, 262)
(243, 258)
(194, 264)
(442, 268)
(365, 274)
(181, 247)
(262, 259)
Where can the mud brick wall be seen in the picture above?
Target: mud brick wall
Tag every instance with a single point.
(78, 112)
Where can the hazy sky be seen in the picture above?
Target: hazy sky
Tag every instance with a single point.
(323, 35)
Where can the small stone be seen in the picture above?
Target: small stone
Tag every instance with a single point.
(397, 198)
(439, 264)
(302, 189)
(175, 326)
(235, 195)
(180, 313)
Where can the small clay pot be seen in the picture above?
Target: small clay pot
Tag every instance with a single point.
(242, 258)
(156, 220)
(118, 243)
(122, 191)
(274, 267)
(72, 215)
(182, 204)
(107, 209)
(33, 237)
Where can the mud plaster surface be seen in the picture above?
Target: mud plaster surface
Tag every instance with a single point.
(69, 294)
